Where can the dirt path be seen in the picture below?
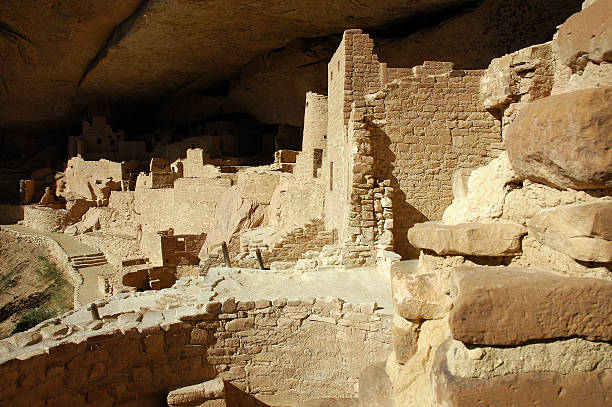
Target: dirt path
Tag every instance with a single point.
(88, 291)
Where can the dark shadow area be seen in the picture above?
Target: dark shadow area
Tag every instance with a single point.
(234, 397)
(472, 38)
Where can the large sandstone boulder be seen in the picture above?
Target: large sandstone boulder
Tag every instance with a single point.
(564, 140)
(586, 36)
(583, 231)
(232, 214)
(375, 387)
(510, 306)
(538, 388)
(471, 239)
(417, 296)
(505, 81)
(405, 336)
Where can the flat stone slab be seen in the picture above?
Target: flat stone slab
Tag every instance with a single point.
(511, 306)
(471, 239)
(584, 389)
(197, 394)
(583, 231)
(564, 140)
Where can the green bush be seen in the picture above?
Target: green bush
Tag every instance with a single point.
(8, 280)
(32, 318)
(50, 272)
(59, 301)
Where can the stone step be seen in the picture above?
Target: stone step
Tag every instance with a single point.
(90, 264)
(87, 259)
(88, 255)
(510, 305)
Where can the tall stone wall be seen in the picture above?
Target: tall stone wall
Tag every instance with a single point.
(352, 73)
(314, 141)
(399, 132)
(188, 208)
(195, 200)
(433, 124)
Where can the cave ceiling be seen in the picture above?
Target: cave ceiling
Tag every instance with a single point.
(58, 56)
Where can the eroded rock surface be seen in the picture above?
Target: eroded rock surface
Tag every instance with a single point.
(511, 306)
(583, 231)
(589, 388)
(587, 36)
(472, 239)
(564, 140)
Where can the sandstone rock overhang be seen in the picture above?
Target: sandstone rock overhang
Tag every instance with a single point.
(146, 48)
(56, 59)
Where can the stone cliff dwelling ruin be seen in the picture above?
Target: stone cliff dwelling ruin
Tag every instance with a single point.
(256, 204)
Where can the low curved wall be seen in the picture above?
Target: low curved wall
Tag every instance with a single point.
(45, 219)
(283, 349)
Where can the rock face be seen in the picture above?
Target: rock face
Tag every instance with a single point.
(243, 215)
(523, 389)
(564, 140)
(473, 38)
(375, 388)
(416, 296)
(512, 306)
(487, 188)
(583, 232)
(471, 239)
(587, 36)
(405, 336)
(76, 52)
(152, 47)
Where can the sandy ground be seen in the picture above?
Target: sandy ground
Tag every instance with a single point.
(20, 285)
(356, 286)
(88, 292)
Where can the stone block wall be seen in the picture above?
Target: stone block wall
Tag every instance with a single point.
(278, 349)
(352, 72)
(423, 128)
(195, 200)
(181, 249)
(314, 141)
(45, 219)
(407, 138)
(291, 245)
